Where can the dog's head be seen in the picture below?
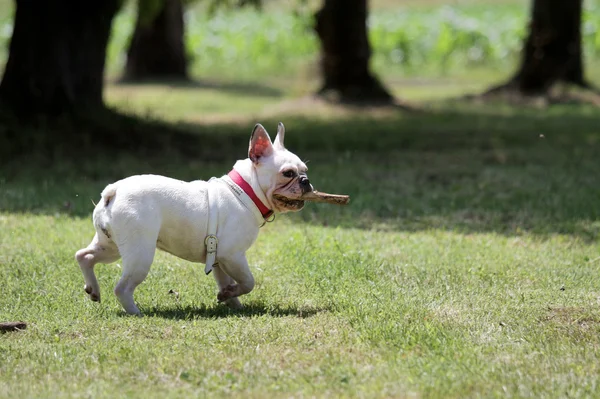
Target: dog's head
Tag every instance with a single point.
(281, 174)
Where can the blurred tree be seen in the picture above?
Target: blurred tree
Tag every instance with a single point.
(552, 50)
(345, 53)
(56, 56)
(157, 47)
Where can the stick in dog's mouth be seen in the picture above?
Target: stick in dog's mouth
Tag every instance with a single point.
(317, 196)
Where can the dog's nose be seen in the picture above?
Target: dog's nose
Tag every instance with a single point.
(305, 184)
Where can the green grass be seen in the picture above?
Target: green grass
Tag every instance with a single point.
(465, 266)
(196, 102)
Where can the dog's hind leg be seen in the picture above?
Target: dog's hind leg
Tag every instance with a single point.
(100, 250)
(138, 255)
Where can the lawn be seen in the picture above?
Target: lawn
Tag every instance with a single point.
(465, 265)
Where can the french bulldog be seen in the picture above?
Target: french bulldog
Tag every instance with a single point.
(141, 213)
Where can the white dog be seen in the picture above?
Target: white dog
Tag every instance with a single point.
(213, 222)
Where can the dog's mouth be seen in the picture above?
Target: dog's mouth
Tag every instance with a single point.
(289, 203)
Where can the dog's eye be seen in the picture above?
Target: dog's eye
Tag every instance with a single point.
(289, 174)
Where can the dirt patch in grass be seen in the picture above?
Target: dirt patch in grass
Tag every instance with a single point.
(580, 318)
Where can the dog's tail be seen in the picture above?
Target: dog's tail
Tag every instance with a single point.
(102, 211)
(108, 194)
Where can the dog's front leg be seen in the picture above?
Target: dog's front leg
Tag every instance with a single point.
(223, 281)
(236, 267)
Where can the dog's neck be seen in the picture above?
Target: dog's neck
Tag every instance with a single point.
(246, 169)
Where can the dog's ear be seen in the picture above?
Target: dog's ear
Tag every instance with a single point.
(280, 136)
(260, 144)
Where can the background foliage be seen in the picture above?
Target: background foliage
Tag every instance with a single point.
(407, 40)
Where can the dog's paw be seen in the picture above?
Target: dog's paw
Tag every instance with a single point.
(93, 296)
(226, 293)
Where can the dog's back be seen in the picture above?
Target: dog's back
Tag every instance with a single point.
(167, 211)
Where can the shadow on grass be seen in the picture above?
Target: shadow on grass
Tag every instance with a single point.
(240, 88)
(471, 170)
(251, 309)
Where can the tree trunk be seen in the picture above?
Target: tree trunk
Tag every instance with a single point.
(157, 48)
(345, 52)
(57, 56)
(552, 50)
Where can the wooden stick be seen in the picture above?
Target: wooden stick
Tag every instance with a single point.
(317, 196)
(12, 326)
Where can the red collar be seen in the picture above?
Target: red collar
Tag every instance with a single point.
(239, 180)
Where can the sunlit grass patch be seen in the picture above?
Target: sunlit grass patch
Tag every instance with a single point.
(465, 264)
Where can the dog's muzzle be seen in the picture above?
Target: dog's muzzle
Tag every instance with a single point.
(305, 184)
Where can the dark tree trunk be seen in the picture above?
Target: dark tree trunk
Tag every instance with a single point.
(345, 52)
(57, 56)
(552, 50)
(157, 48)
